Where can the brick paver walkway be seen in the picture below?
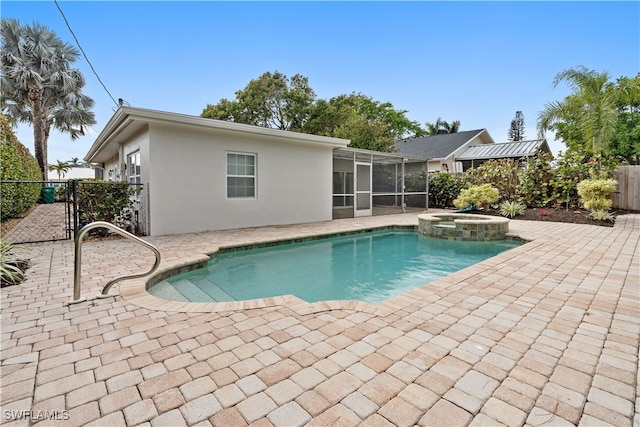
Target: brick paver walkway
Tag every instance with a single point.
(544, 334)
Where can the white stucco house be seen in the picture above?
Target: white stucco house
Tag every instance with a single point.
(202, 174)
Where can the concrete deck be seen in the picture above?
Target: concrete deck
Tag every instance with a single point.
(544, 334)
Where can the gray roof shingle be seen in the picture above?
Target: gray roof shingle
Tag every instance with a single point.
(436, 146)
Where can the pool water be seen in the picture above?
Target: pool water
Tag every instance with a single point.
(370, 267)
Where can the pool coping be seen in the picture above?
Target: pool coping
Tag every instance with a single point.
(136, 292)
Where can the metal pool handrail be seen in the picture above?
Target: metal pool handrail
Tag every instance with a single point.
(78, 258)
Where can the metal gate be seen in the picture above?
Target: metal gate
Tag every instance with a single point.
(58, 215)
(49, 220)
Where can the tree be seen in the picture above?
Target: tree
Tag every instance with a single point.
(275, 101)
(40, 87)
(61, 168)
(625, 145)
(272, 100)
(441, 127)
(516, 131)
(587, 118)
(369, 124)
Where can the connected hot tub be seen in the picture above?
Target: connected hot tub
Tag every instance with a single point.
(459, 226)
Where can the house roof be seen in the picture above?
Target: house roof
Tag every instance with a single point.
(441, 146)
(504, 150)
(126, 121)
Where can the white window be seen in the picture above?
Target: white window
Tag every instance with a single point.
(133, 168)
(241, 175)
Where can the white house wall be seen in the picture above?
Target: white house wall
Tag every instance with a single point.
(138, 142)
(188, 180)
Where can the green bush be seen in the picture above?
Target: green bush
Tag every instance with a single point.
(510, 208)
(535, 180)
(595, 194)
(502, 174)
(61, 193)
(105, 201)
(477, 196)
(541, 182)
(11, 266)
(570, 168)
(443, 189)
(16, 164)
(602, 216)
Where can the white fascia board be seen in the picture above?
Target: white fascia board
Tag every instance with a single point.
(124, 117)
(466, 145)
(165, 117)
(114, 127)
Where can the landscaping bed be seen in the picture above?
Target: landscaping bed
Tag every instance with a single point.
(573, 216)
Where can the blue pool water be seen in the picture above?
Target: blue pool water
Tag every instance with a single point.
(369, 267)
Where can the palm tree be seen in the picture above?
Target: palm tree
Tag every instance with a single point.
(591, 108)
(441, 127)
(61, 168)
(40, 87)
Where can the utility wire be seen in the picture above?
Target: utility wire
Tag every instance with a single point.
(84, 54)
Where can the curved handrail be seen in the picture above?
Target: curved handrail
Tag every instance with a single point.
(78, 257)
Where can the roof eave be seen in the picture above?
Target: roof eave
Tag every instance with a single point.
(125, 116)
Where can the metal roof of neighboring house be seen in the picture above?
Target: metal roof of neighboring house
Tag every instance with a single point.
(504, 150)
(438, 146)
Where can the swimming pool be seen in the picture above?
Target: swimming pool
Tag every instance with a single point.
(368, 266)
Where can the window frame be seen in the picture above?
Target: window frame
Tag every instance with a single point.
(132, 176)
(253, 176)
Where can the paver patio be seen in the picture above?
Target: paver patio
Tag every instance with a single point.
(544, 334)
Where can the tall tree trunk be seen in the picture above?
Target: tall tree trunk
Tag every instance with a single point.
(37, 112)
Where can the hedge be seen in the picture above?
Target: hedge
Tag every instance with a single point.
(16, 164)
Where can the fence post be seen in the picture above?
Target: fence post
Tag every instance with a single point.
(74, 192)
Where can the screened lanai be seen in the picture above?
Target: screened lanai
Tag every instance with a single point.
(369, 183)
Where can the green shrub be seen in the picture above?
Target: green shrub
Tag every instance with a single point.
(11, 267)
(502, 174)
(61, 193)
(535, 181)
(602, 216)
(571, 168)
(16, 164)
(105, 201)
(595, 194)
(511, 208)
(477, 196)
(443, 189)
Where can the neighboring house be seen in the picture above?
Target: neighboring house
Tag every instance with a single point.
(476, 155)
(74, 172)
(203, 174)
(443, 150)
(77, 172)
(457, 152)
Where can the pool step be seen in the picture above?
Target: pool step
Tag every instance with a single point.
(190, 291)
(165, 290)
(194, 290)
(211, 289)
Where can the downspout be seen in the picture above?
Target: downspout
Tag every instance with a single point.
(426, 163)
(404, 205)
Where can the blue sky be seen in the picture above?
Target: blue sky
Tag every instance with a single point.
(477, 62)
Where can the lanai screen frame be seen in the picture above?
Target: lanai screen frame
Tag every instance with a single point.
(383, 190)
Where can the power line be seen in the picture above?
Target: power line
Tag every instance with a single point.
(83, 53)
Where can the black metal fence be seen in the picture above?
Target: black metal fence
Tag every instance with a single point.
(65, 206)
